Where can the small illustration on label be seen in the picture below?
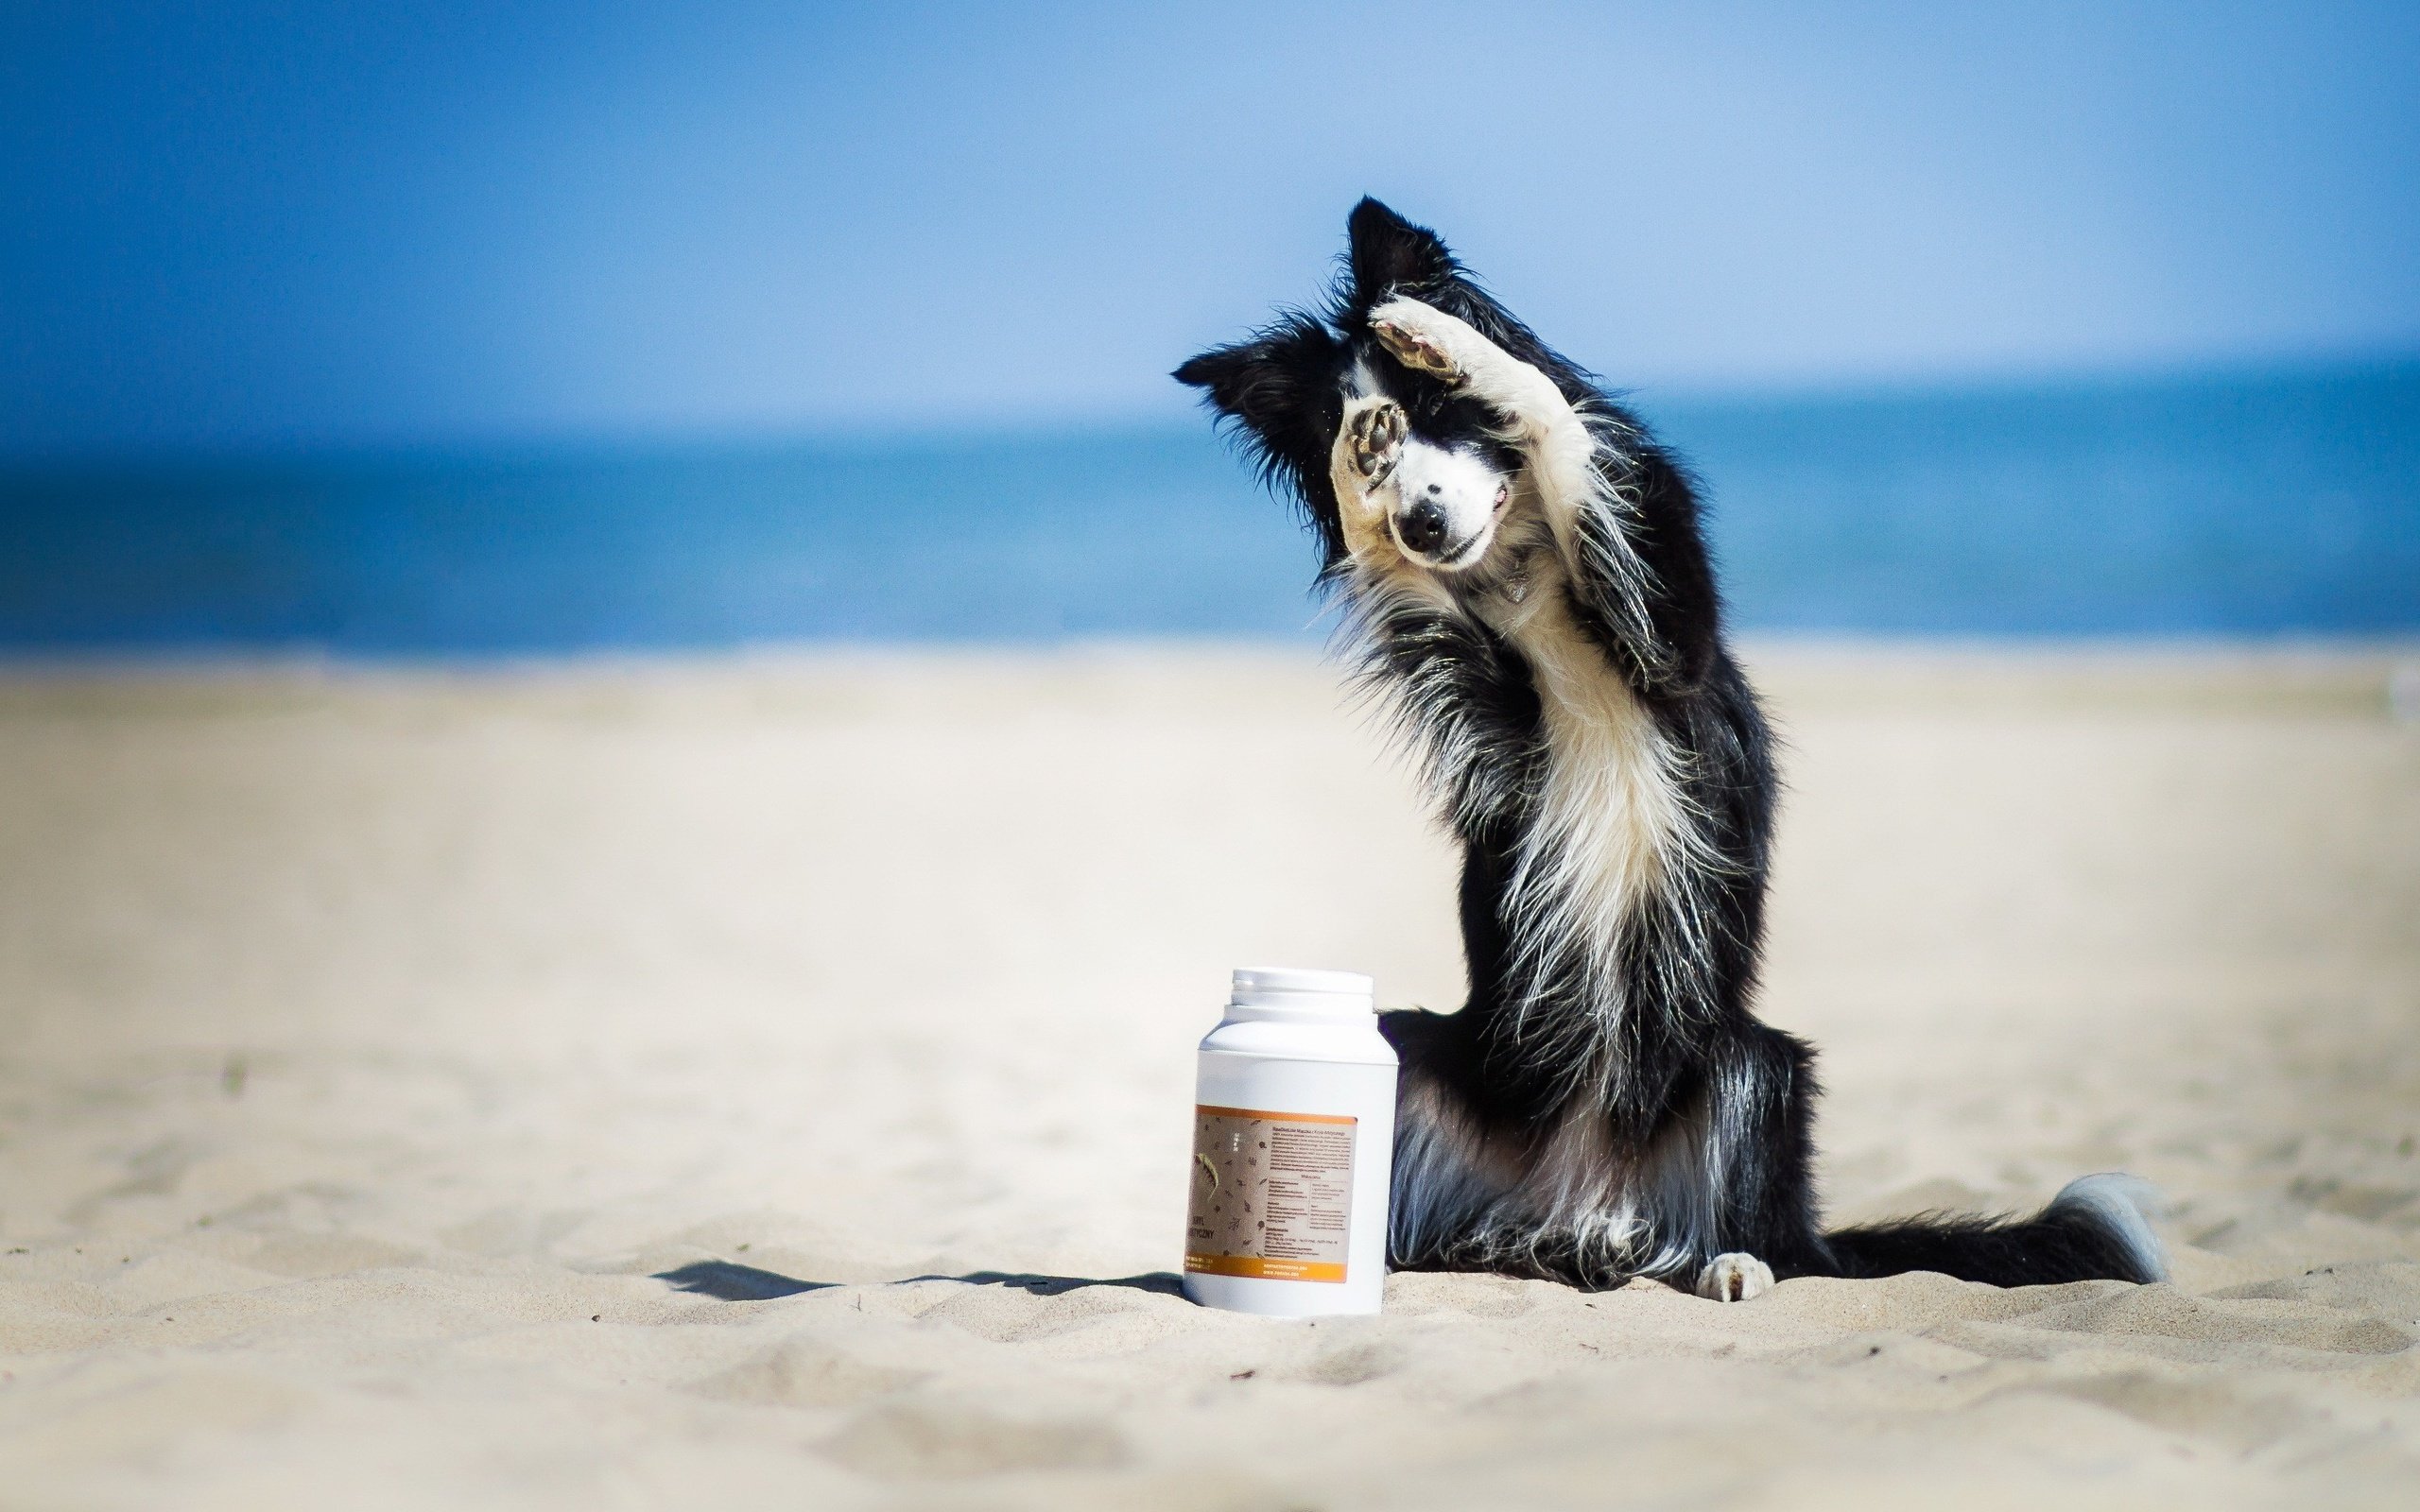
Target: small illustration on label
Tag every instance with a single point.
(1273, 1194)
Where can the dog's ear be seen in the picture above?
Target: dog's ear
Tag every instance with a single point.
(1282, 391)
(1229, 377)
(1390, 252)
(1273, 384)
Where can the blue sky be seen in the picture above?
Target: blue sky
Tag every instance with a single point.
(248, 226)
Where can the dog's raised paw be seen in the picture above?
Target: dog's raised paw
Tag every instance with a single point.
(1416, 352)
(1375, 436)
(1734, 1278)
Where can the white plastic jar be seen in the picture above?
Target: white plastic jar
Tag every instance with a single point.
(1293, 1145)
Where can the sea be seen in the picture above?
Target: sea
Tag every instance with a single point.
(2273, 503)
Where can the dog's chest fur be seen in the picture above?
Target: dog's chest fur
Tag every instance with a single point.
(1608, 820)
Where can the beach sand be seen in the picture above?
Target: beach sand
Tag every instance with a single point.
(372, 1043)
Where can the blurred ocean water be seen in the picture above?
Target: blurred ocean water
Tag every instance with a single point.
(2277, 503)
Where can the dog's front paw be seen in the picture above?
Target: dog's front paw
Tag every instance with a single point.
(1373, 440)
(1414, 335)
(1734, 1278)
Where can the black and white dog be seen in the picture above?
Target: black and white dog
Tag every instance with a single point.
(1524, 567)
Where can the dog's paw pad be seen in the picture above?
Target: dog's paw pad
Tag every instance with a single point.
(1374, 436)
(1416, 350)
(1734, 1278)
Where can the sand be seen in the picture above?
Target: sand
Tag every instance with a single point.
(373, 1044)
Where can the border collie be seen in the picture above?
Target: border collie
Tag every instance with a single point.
(1522, 565)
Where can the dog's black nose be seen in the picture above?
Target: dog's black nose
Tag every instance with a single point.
(1422, 527)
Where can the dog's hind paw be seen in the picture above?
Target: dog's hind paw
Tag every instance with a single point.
(1374, 436)
(1734, 1278)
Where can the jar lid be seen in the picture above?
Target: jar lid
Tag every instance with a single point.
(1296, 988)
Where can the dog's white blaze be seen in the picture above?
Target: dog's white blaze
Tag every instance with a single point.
(1460, 486)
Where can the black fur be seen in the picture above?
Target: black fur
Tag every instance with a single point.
(1584, 1118)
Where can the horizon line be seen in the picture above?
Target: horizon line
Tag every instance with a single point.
(536, 442)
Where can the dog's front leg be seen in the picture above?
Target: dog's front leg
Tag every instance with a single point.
(1361, 470)
(1567, 458)
(1423, 337)
(1450, 348)
(1538, 417)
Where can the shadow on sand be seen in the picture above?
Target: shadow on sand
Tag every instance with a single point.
(729, 1282)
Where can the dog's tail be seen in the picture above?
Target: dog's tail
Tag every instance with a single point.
(2094, 1230)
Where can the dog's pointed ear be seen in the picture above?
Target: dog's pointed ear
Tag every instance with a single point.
(1266, 383)
(1390, 252)
(1281, 388)
(1224, 372)
(1245, 382)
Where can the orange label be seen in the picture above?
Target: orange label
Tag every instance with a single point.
(1271, 1270)
(1273, 1194)
(1206, 1110)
